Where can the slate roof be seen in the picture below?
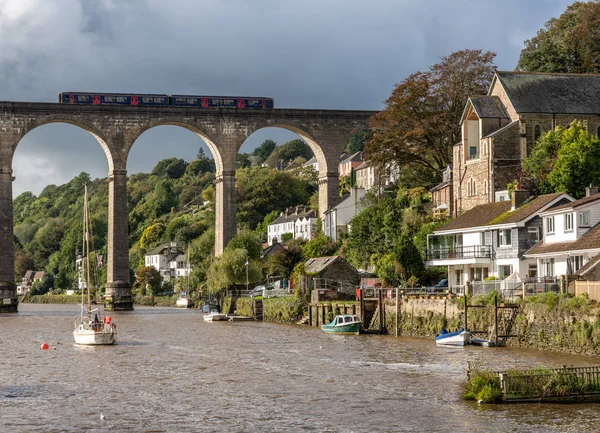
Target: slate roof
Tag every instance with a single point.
(356, 156)
(578, 203)
(589, 241)
(317, 265)
(488, 107)
(535, 92)
(499, 213)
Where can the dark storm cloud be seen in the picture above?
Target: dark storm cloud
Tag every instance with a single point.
(345, 54)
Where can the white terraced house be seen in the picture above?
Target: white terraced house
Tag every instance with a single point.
(300, 222)
(489, 241)
(169, 260)
(571, 237)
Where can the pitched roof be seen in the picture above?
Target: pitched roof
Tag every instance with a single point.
(578, 203)
(589, 241)
(499, 213)
(355, 157)
(591, 264)
(488, 107)
(317, 265)
(535, 92)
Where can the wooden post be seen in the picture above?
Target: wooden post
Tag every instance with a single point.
(466, 299)
(396, 311)
(496, 320)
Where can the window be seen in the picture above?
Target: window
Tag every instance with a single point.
(478, 274)
(548, 267)
(471, 188)
(568, 222)
(458, 277)
(533, 234)
(485, 186)
(504, 271)
(577, 262)
(537, 132)
(482, 238)
(505, 238)
(532, 270)
(584, 218)
(550, 225)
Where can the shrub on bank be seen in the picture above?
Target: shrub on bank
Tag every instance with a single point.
(52, 299)
(287, 309)
(483, 386)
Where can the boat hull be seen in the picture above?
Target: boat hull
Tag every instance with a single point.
(184, 302)
(458, 339)
(215, 317)
(90, 337)
(349, 329)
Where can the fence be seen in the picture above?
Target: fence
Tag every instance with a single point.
(550, 384)
(592, 288)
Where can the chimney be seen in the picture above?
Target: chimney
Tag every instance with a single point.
(591, 190)
(518, 198)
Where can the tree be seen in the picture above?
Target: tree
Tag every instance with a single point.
(163, 198)
(149, 278)
(283, 262)
(564, 160)
(264, 150)
(420, 122)
(152, 235)
(408, 257)
(357, 142)
(171, 168)
(247, 241)
(569, 43)
(230, 269)
(288, 152)
(319, 246)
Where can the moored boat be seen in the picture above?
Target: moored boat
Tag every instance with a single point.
(215, 316)
(458, 338)
(343, 324)
(184, 301)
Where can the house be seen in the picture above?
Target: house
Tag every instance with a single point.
(337, 219)
(274, 248)
(571, 238)
(350, 163)
(441, 195)
(312, 163)
(300, 222)
(28, 280)
(498, 130)
(329, 273)
(169, 259)
(491, 240)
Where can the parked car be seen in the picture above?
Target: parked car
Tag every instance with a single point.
(259, 290)
(441, 286)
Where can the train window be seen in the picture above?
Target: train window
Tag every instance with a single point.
(109, 99)
(159, 100)
(192, 101)
(146, 100)
(121, 99)
(83, 98)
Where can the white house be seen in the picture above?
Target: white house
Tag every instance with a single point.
(299, 221)
(571, 237)
(490, 240)
(169, 260)
(337, 219)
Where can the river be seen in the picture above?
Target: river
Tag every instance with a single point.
(173, 372)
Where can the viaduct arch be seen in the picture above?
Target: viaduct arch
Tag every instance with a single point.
(116, 128)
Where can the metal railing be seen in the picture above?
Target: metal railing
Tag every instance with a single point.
(470, 252)
(338, 286)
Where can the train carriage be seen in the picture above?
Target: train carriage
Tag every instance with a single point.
(242, 102)
(88, 98)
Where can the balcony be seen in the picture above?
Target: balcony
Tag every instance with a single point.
(470, 254)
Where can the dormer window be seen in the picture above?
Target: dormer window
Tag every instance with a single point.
(569, 222)
(550, 225)
(584, 219)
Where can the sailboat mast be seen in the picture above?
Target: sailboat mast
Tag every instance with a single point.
(86, 225)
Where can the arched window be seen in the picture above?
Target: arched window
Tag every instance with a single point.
(537, 132)
(485, 186)
(471, 188)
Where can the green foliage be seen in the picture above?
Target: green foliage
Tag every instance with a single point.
(263, 151)
(247, 241)
(148, 279)
(283, 262)
(171, 168)
(260, 191)
(286, 237)
(563, 160)
(152, 235)
(286, 309)
(408, 257)
(569, 43)
(319, 246)
(357, 142)
(385, 268)
(288, 152)
(230, 269)
(483, 385)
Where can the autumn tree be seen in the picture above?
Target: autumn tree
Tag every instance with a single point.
(420, 122)
(569, 43)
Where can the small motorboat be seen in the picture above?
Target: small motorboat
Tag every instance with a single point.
(458, 338)
(184, 301)
(215, 316)
(343, 324)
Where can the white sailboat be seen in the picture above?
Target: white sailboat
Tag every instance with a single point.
(92, 327)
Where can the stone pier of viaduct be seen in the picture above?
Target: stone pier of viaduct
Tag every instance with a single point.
(116, 128)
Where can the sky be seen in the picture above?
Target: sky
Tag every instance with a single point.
(315, 54)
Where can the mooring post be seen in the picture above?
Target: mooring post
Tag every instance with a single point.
(466, 299)
(396, 311)
(496, 320)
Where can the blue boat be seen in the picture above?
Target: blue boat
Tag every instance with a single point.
(343, 324)
(458, 338)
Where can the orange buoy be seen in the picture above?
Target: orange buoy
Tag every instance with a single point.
(45, 346)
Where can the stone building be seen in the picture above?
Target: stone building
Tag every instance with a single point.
(332, 273)
(500, 128)
(441, 195)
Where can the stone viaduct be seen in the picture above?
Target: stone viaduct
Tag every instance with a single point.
(116, 128)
